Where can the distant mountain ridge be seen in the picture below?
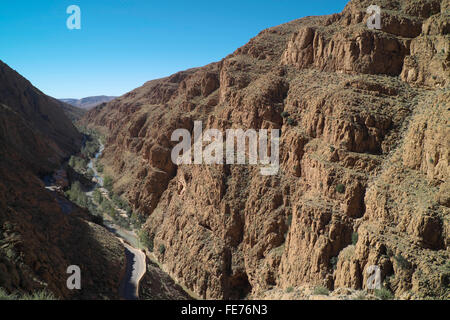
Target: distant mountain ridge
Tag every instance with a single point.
(88, 102)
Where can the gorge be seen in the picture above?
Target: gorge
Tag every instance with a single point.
(362, 184)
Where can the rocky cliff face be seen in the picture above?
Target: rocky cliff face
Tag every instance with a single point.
(37, 240)
(364, 157)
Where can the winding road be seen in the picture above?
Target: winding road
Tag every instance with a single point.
(136, 259)
(136, 267)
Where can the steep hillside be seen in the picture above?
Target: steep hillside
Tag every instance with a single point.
(364, 176)
(73, 113)
(38, 241)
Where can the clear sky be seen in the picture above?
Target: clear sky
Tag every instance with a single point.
(124, 43)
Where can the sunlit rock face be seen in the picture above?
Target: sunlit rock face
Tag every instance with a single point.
(363, 174)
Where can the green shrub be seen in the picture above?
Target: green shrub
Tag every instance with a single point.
(340, 188)
(97, 196)
(162, 249)
(11, 254)
(137, 219)
(108, 183)
(72, 161)
(289, 290)
(333, 262)
(146, 239)
(290, 121)
(402, 262)
(289, 220)
(383, 294)
(5, 296)
(360, 296)
(347, 253)
(78, 164)
(354, 238)
(285, 114)
(389, 252)
(39, 295)
(320, 290)
(447, 266)
(76, 195)
(90, 148)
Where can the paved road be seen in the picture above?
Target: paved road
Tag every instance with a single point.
(136, 267)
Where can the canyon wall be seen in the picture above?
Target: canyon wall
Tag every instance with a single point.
(38, 240)
(364, 158)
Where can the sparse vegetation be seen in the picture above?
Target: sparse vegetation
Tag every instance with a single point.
(146, 239)
(162, 249)
(340, 188)
(39, 295)
(5, 296)
(78, 164)
(108, 183)
(121, 203)
(321, 290)
(354, 238)
(402, 262)
(333, 262)
(97, 196)
(90, 148)
(389, 252)
(383, 294)
(285, 114)
(347, 253)
(137, 219)
(109, 208)
(76, 195)
(99, 166)
(289, 290)
(360, 296)
(289, 220)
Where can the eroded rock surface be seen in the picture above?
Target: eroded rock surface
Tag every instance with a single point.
(364, 158)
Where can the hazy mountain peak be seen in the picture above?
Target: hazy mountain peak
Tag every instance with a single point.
(88, 102)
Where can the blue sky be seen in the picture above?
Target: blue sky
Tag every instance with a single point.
(124, 43)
